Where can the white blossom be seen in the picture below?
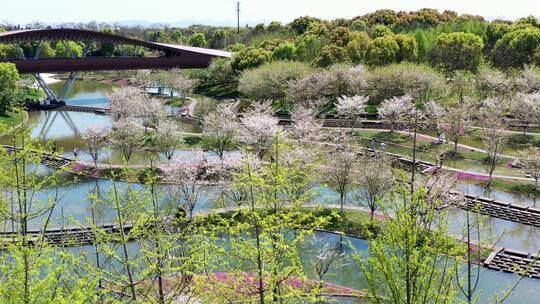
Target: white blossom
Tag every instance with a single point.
(126, 102)
(526, 109)
(398, 110)
(305, 127)
(221, 128)
(126, 135)
(259, 128)
(168, 137)
(95, 138)
(351, 106)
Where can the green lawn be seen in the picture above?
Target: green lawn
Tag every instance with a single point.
(402, 144)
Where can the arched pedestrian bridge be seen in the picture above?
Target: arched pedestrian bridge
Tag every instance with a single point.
(163, 56)
(124, 54)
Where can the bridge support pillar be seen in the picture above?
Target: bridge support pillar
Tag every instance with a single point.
(51, 97)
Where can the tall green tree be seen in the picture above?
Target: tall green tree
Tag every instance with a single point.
(408, 48)
(332, 54)
(383, 50)
(197, 40)
(410, 260)
(8, 86)
(516, 48)
(249, 57)
(459, 51)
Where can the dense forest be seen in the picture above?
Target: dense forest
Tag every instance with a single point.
(444, 39)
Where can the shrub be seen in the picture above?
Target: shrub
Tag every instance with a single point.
(271, 80)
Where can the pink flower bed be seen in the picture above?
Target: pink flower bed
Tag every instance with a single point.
(467, 175)
(247, 283)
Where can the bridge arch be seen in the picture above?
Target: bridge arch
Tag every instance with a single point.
(166, 56)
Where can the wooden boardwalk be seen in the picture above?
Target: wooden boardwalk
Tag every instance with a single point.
(69, 236)
(514, 261)
(525, 215)
(47, 159)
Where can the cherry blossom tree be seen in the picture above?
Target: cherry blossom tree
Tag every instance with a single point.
(305, 128)
(339, 169)
(126, 135)
(180, 82)
(221, 129)
(491, 82)
(352, 107)
(126, 102)
(493, 133)
(456, 119)
(188, 178)
(374, 181)
(152, 113)
(397, 110)
(327, 256)
(530, 160)
(259, 128)
(526, 109)
(530, 76)
(168, 137)
(404, 112)
(434, 113)
(94, 139)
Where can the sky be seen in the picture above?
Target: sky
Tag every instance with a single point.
(252, 11)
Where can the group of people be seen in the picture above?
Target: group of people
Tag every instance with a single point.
(55, 149)
(373, 145)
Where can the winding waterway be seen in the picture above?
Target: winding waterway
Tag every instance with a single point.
(65, 129)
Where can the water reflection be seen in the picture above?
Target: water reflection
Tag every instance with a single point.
(514, 198)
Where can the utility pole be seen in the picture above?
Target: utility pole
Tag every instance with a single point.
(238, 17)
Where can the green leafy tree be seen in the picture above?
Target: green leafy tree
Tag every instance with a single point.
(219, 39)
(47, 50)
(408, 48)
(107, 48)
(284, 51)
(380, 30)
(197, 40)
(384, 16)
(267, 236)
(340, 36)
(68, 49)
(33, 271)
(359, 25)
(302, 24)
(249, 57)
(516, 48)
(494, 32)
(332, 54)
(177, 36)
(8, 86)
(410, 260)
(383, 51)
(274, 26)
(459, 51)
(270, 44)
(308, 47)
(358, 46)
(9, 51)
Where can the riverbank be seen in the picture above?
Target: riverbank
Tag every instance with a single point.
(50, 78)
